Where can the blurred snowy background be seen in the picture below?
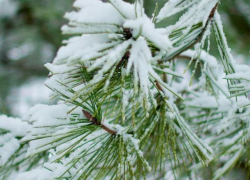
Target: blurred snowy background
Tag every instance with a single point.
(30, 36)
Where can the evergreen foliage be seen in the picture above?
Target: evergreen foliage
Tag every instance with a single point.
(126, 111)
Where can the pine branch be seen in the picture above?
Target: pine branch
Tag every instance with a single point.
(198, 38)
(124, 114)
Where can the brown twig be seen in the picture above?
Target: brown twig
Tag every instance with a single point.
(158, 85)
(97, 123)
(125, 57)
(127, 33)
(91, 118)
(110, 131)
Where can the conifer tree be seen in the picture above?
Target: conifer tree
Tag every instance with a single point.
(125, 108)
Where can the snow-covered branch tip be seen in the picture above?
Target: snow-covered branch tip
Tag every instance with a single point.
(204, 29)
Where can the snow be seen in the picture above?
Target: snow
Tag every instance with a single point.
(58, 69)
(242, 72)
(45, 115)
(140, 58)
(76, 44)
(111, 58)
(14, 125)
(240, 76)
(86, 29)
(90, 13)
(9, 144)
(124, 8)
(52, 126)
(143, 26)
(36, 174)
(8, 148)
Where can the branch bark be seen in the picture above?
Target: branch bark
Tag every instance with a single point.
(97, 123)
